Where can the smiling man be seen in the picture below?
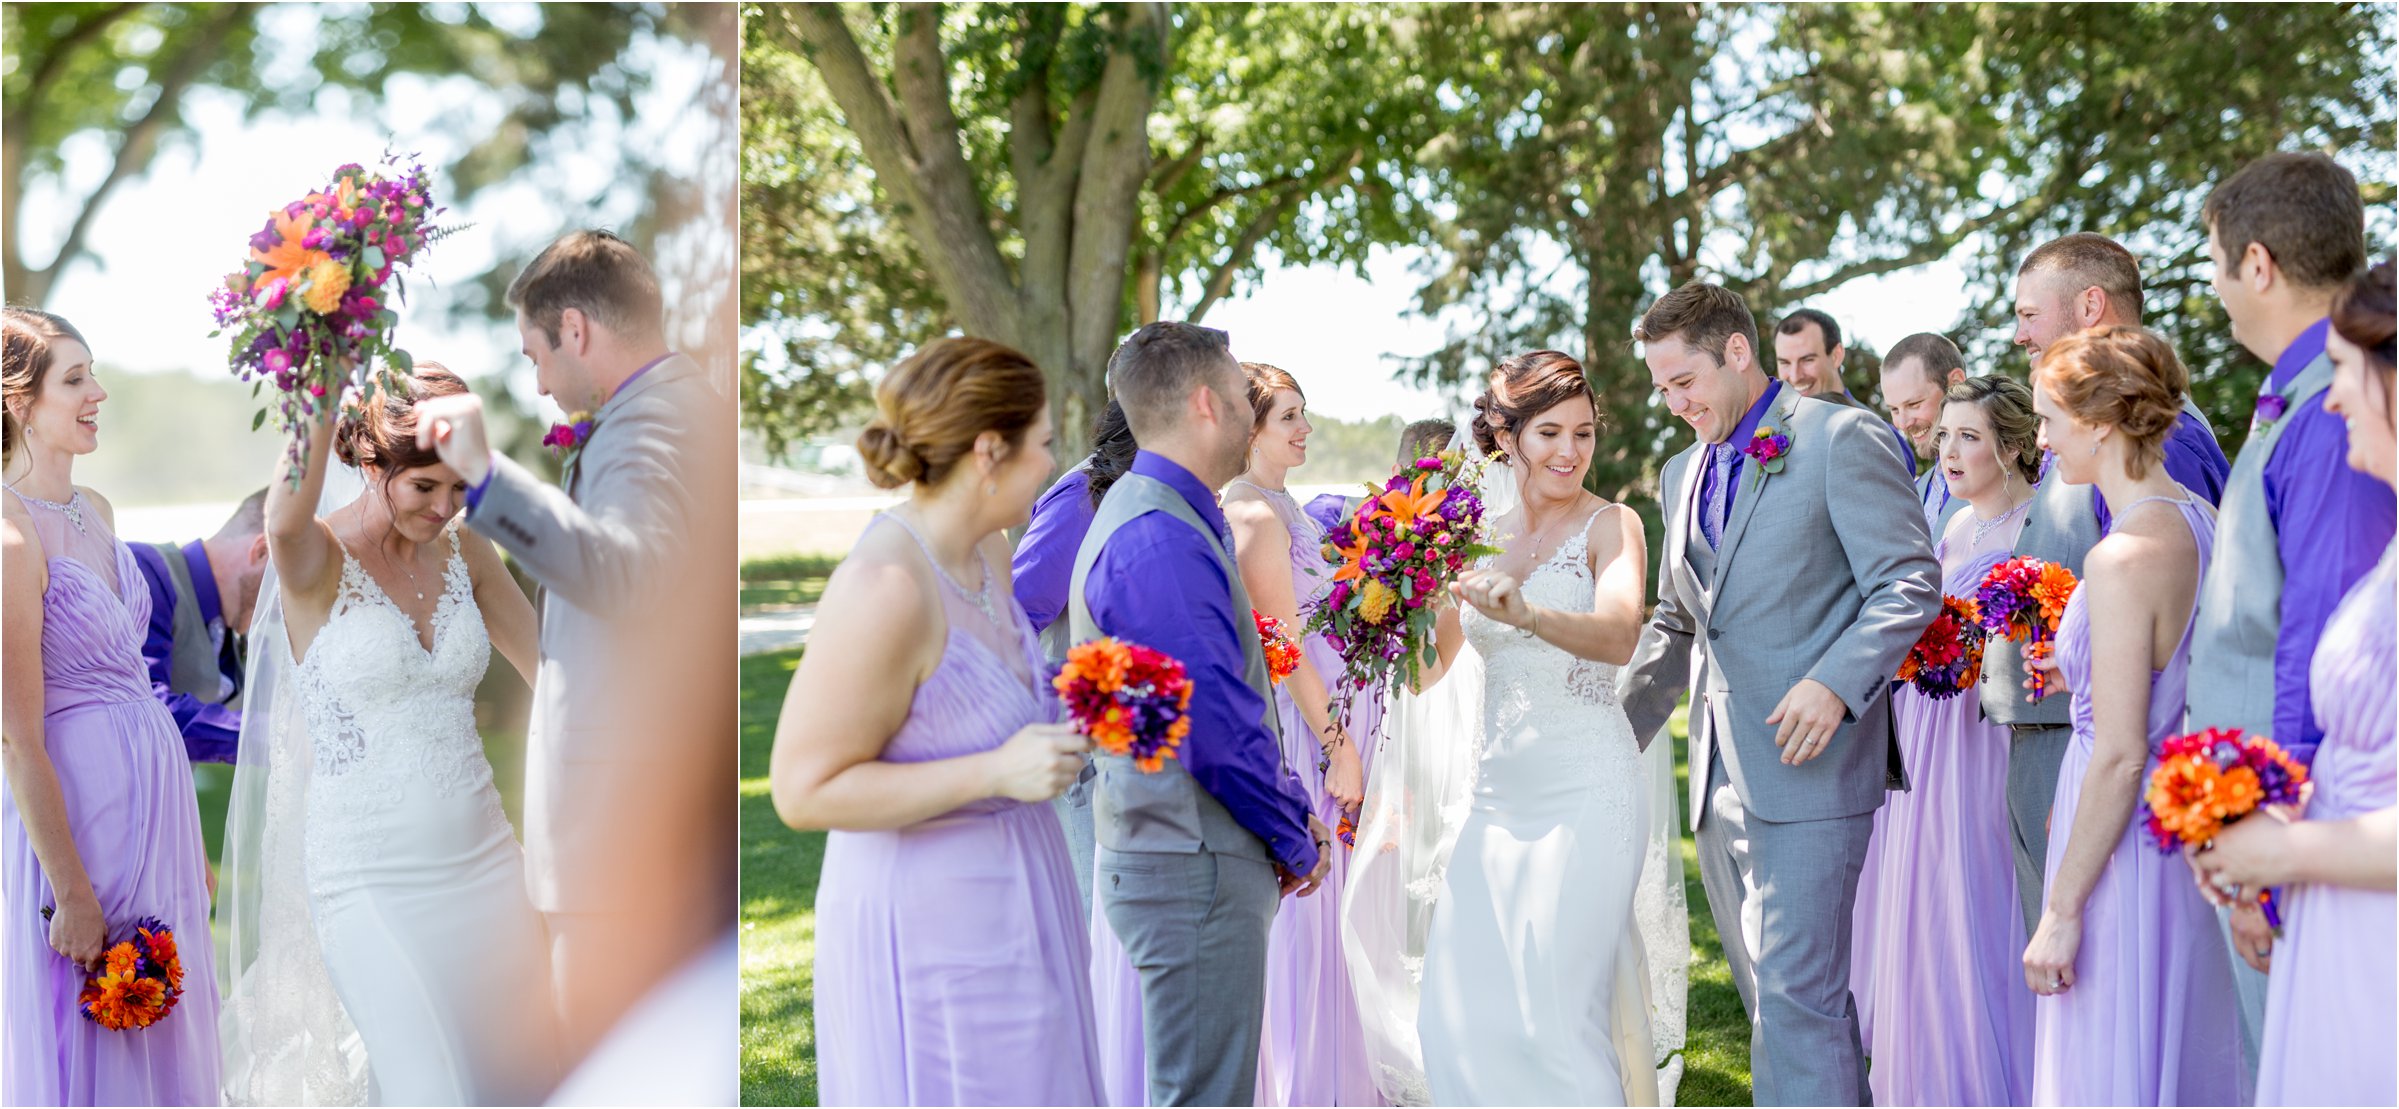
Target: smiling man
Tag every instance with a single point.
(1808, 356)
(1917, 373)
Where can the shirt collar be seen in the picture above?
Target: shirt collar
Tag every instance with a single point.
(204, 581)
(1193, 491)
(2303, 350)
(1748, 427)
(626, 386)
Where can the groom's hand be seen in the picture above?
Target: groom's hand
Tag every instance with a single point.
(1805, 720)
(452, 427)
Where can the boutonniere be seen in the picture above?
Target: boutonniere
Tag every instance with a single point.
(2270, 407)
(566, 440)
(1768, 447)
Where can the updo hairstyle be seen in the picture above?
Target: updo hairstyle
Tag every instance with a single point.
(930, 408)
(2126, 378)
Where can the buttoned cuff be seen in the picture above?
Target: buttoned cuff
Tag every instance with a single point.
(474, 493)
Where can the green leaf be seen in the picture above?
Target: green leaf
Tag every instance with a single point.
(372, 257)
(258, 420)
(403, 361)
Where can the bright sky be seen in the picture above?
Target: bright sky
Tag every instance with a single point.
(164, 240)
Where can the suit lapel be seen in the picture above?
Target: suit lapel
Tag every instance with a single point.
(1678, 529)
(1753, 482)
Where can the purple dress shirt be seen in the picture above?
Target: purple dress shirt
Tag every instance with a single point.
(2331, 524)
(1044, 565)
(211, 732)
(1155, 585)
(2194, 459)
(1743, 432)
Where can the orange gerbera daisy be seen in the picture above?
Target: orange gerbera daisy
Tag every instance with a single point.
(288, 259)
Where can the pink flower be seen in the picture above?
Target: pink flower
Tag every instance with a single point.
(277, 362)
(270, 295)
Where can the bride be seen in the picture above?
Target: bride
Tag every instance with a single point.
(383, 947)
(1534, 988)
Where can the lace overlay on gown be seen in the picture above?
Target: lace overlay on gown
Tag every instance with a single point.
(1545, 999)
(369, 673)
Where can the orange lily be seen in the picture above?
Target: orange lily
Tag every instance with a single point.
(1407, 504)
(1355, 568)
(288, 259)
(344, 197)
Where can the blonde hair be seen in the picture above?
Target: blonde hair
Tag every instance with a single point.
(932, 405)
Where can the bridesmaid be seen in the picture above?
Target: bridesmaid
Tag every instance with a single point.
(102, 827)
(1312, 1050)
(1958, 1024)
(2332, 1002)
(2136, 1001)
(950, 960)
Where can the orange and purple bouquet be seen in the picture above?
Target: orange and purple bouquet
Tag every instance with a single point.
(2206, 780)
(1131, 700)
(2023, 600)
(1282, 652)
(311, 308)
(139, 979)
(1948, 658)
(1399, 549)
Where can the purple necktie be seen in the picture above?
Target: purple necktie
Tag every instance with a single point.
(1720, 493)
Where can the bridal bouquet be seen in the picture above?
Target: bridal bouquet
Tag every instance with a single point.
(1948, 658)
(1400, 548)
(1129, 699)
(2206, 780)
(1282, 652)
(309, 312)
(139, 980)
(2024, 599)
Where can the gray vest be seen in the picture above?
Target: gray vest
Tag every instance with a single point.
(1166, 811)
(2060, 526)
(192, 653)
(2240, 603)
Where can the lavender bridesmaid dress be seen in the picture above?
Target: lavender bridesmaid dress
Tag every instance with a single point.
(951, 967)
(1312, 1050)
(134, 818)
(2332, 1003)
(1955, 1019)
(2151, 1018)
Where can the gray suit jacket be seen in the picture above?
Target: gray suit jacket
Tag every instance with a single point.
(613, 552)
(1837, 579)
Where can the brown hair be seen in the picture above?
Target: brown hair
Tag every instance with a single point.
(2302, 207)
(1932, 349)
(2007, 403)
(25, 338)
(2127, 378)
(382, 433)
(930, 408)
(1524, 387)
(1425, 438)
(1264, 382)
(1155, 368)
(2366, 313)
(596, 273)
(1827, 328)
(2091, 259)
(1704, 315)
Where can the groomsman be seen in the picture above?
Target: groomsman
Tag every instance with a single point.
(2068, 285)
(2298, 526)
(201, 595)
(1785, 635)
(1808, 356)
(1917, 373)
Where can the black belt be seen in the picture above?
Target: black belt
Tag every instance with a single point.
(2028, 729)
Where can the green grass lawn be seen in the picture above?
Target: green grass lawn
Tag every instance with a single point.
(783, 581)
(778, 935)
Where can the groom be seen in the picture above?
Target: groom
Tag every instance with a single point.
(625, 761)
(1192, 857)
(1792, 583)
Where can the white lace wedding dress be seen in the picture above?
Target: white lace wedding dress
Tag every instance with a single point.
(1534, 989)
(415, 883)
